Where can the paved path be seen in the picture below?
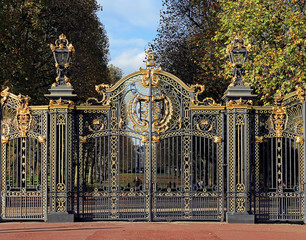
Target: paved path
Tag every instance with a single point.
(167, 231)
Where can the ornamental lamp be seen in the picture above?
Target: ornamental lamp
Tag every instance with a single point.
(238, 53)
(62, 52)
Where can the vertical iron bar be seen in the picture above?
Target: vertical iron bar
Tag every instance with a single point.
(150, 150)
(222, 168)
(304, 170)
(100, 160)
(67, 161)
(13, 180)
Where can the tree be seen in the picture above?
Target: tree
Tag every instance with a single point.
(276, 30)
(27, 30)
(185, 46)
(193, 36)
(115, 73)
(171, 45)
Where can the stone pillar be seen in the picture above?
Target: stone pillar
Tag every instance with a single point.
(61, 125)
(239, 117)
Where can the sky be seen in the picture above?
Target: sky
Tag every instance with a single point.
(130, 25)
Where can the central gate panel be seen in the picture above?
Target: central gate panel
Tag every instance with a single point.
(149, 149)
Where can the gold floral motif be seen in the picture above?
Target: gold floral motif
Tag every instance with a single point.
(279, 116)
(217, 139)
(258, 139)
(83, 139)
(5, 94)
(300, 93)
(5, 139)
(239, 103)
(101, 89)
(60, 102)
(24, 117)
(299, 139)
(42, 139)
(121, 122)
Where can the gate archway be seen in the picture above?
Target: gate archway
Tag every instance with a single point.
(153, 151)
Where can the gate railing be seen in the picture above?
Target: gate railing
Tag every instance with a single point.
(153, 148)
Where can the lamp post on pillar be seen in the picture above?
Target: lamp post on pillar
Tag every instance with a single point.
(238, 54)
(61, 112)
(62, 53)
(239, 137)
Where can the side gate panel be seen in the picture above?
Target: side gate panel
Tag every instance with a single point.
(23, 160)
(279, 161)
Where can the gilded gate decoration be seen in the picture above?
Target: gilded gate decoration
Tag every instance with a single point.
(23, 159)
(124, 175)
(152, 148)
(280, 175)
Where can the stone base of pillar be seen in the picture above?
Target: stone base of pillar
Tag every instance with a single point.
(240, 218)
(60, 217)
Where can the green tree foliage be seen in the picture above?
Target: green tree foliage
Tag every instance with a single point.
(171, 45)
(276, 30)
(193, 36)
(185, 45)
(27, 29)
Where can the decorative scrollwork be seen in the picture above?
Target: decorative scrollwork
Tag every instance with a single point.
(42, 139)
(300, 93)
(23, 117)
(61, 204)
(205, 123)
(240, 187)
(61, 187)
(60, 102)
(198, 90)
(162, 111)
(5, 94)
(217, 139)
(101, 89)
(258, 139)
(279, 116)
(239, 103)
(240, 205)
(150, 71)
(5, 139)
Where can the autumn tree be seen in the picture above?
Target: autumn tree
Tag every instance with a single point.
(27, 29)
(193, 36)
(276, 30)
(185, 43)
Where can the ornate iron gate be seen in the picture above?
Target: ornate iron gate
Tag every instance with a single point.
(166, 165)
(280, 160)
(153, 148)
(23, 159)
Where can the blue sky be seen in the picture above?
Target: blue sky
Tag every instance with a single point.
(130, 25)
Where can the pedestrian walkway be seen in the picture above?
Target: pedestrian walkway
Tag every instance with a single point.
(143, 230)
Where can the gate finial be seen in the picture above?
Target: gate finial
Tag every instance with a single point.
(150, 70)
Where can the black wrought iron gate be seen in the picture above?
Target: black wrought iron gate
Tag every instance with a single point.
(150, 150)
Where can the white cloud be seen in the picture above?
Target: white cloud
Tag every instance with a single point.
(143, 13)
(133, 42)
(130, 25)
(130, 60)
